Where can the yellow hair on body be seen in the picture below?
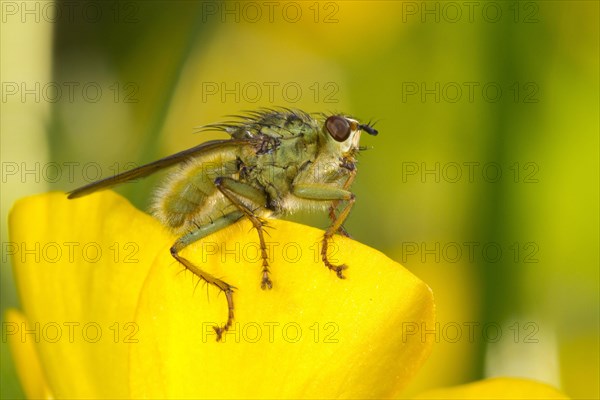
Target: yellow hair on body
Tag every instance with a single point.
(188, 198)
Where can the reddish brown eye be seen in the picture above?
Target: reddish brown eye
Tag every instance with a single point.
(338, 127)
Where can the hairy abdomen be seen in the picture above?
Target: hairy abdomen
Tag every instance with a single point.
(189, 198)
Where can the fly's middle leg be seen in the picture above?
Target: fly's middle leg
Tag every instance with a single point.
(240, 195)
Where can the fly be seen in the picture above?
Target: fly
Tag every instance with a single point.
(276, 162)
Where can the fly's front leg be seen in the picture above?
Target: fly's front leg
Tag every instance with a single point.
(196, 235)
(327, 193)
(239, 193)
(335, 203)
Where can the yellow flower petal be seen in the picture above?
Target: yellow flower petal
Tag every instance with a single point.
(76, 298)
(496, 388)
(312, 335)
(25, 356)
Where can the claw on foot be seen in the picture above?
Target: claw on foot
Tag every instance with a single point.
(219, 331)
(337, 268)
(266, 283)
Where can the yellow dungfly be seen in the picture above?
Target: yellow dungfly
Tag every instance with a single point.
(277, 161)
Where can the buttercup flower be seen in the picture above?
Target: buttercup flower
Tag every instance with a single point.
(107, 312)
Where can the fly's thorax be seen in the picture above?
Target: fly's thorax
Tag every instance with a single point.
(326, 169)
(275, 171)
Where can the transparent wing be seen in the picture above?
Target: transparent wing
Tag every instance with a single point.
(155, 166)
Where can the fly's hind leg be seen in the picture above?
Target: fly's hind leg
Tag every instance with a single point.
(334, 194)
(196, 235)
(246, 197)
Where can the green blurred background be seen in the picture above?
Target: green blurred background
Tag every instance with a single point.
(483, 180)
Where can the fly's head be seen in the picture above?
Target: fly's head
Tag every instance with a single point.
(342, 134)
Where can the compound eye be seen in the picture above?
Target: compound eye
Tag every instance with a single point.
(338, 127)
